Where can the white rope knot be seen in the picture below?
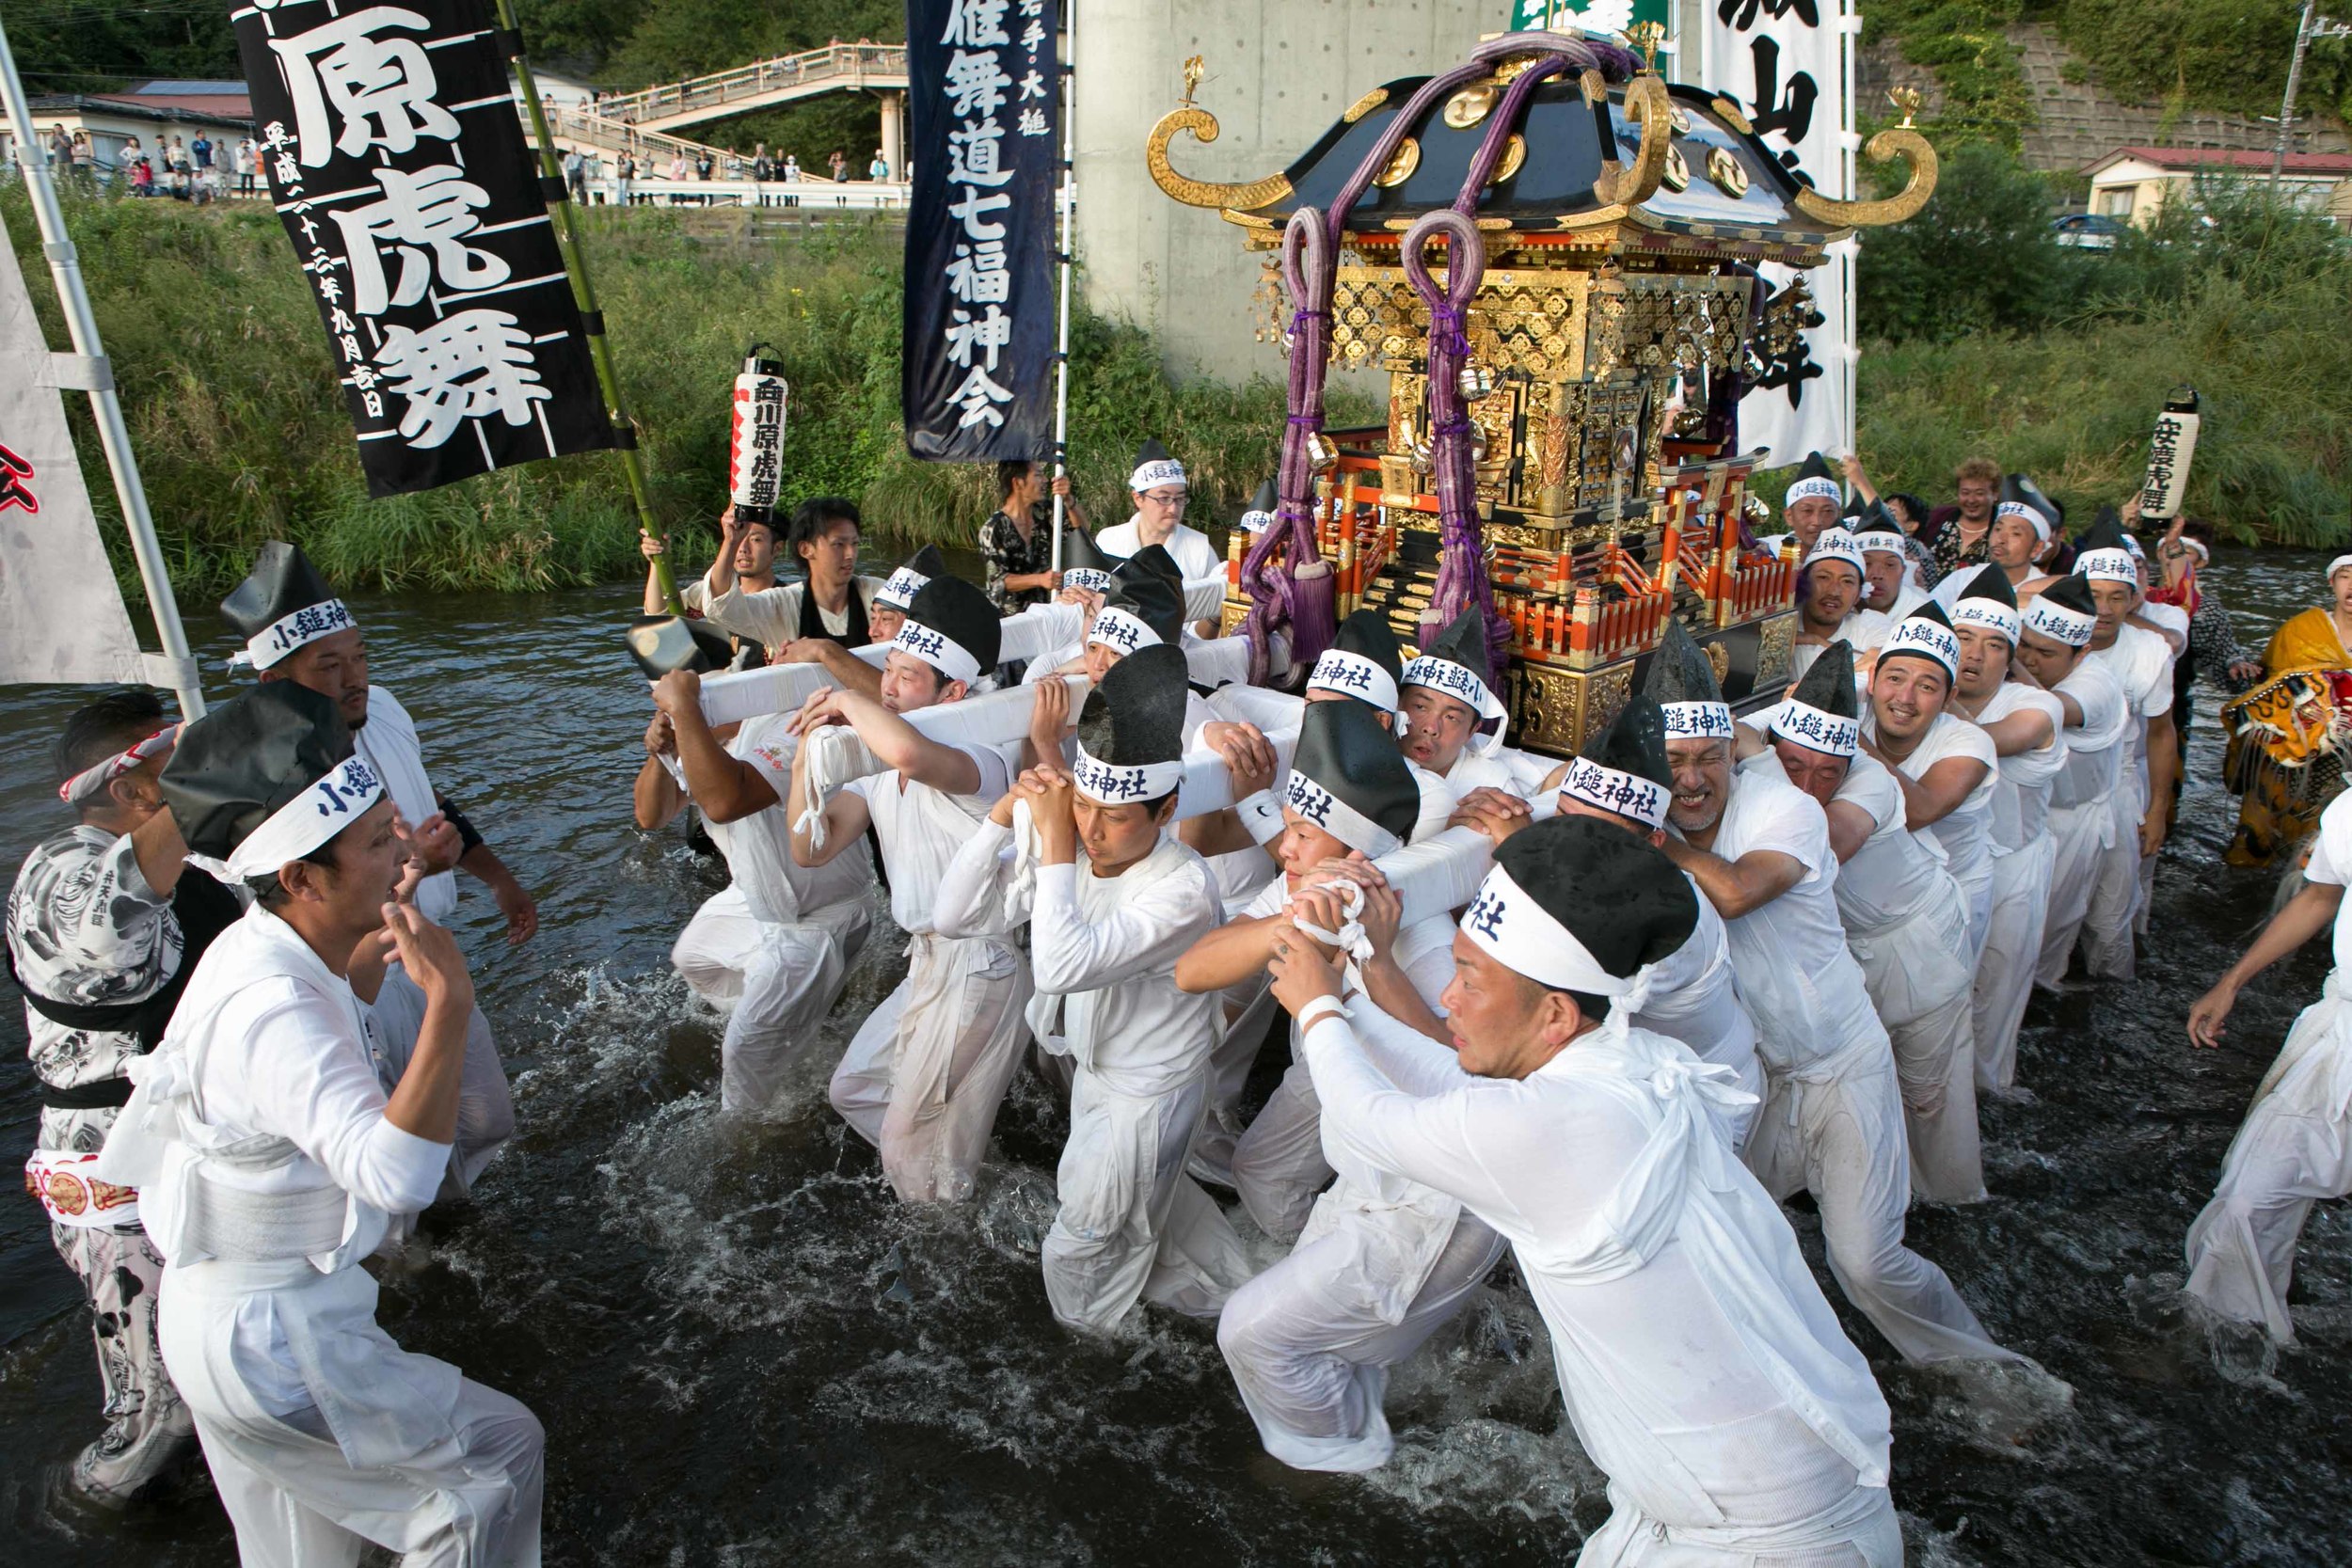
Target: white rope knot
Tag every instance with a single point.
(1350, 942)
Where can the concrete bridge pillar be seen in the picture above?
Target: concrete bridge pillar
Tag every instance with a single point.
(894, 141)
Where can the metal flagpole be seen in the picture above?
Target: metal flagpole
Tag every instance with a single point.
(584, 295)
(1068, 197)
(88, 369)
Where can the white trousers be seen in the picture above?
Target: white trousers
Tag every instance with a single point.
(2013, 945)
(1278, 1166)
(1249, 1010)
(2295, 1146)
(923, 1077)
(2080, 836)
(1919, 973)
(1311, 1340)
(1840, 1137)
(399, 1451)
(1863, 1531)
(775, 981)
(485, 1108)
(1131, 1226)
(2115, 892)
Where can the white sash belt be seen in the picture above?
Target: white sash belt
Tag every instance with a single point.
(238, 1225)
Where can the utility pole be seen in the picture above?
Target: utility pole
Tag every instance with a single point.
(2312, 25)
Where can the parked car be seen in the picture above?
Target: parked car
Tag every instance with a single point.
(2086, 230)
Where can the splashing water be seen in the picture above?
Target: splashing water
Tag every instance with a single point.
(746, 1353)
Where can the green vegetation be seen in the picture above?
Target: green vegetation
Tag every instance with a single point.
(1982, 334)
(1964, 42)
(242, 435)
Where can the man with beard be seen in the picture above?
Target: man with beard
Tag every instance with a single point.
(2052, 640)
(923, 1077)
(1830, 609)
(1832, 1122)
(104, 928)
(1906, 923)
(296, 629)
(2141, 664)
(1703, 1371)
(2028, 728)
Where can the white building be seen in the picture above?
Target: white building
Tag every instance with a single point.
(2134, 182)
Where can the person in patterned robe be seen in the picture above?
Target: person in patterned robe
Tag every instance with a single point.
(103, 931)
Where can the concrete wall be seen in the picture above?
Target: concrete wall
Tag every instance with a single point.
(1280, 72)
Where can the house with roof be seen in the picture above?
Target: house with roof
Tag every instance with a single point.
(2133, 184)
(150, 112)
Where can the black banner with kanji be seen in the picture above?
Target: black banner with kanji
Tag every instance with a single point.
(395, 155)
(985, 106)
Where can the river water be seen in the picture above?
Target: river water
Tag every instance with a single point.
(746, 1353)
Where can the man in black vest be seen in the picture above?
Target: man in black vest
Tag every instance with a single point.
(103, 931)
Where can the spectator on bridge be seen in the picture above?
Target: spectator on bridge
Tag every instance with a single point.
(702, 164)
(879, 169)
(576, 176)
(839, 164)
(763, 166)
(623, 174)
(733, 165)
(248, 160)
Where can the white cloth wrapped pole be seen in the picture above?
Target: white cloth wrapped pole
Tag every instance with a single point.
(731, 698)
(1204, 597)
(1440, 875)
(836, 755)
(1220, 662)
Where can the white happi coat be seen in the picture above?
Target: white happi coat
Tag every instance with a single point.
(1381, 1263)
(1907, 926)
(1131, 1225)
(772, 950)
(1833, 1120)
(2082, 821)
(387, 742)
(2141, 663)
(771, 616)
(1703, 1372)
(267, 1170)
(1965, 831)
(2295, 1146)
(1865, 631)
(1195, 557)
(2024, 852)
(923, 1077)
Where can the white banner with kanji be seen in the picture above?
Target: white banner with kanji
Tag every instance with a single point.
(1781, 61)
(61, 616)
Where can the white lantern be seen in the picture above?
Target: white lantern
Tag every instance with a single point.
(756, 451)
(2169, 452)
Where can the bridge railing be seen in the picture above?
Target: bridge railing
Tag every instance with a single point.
(613, 135)
(815, 196)
(844, 64)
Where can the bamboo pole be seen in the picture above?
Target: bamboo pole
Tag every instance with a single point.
(114, 436)
(584, 295)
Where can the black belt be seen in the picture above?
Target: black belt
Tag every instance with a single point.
(103, 1094)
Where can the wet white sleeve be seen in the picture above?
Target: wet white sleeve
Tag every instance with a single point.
(2332, 850)
(300, 1073)
(1439, 1142)
(769, 617)
(1404, 1055)
(1147, 931)
(976, 883)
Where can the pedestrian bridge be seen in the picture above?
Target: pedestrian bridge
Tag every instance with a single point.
(761, 85)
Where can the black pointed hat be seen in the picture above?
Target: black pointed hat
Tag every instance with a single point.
(1362, 654)
(1259, 515)
(2017, 490)
(1683, 684)
(2072, 592)
(1348, 778)
(952, 627)
(908, 581)
(236, 765)
(1620, 899)
(281, 606)
(1082, 564)
(2064, 613)
(1813, 478)
(2101, 554)
(1155, 465)
(1824, 711)
(1131, 738)
(1925, 633)
(1454, 662)
(1991, 582)
(1152, 560)
(2106, 532)
(1623, 768)
(1144, 598)
(1873, 518)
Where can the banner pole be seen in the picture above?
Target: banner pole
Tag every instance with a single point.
(65, 272)
(1067, 194)
(584, 295)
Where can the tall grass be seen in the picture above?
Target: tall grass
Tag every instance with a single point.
(241, 433)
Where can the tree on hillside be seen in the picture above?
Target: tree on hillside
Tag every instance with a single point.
(89, 46)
